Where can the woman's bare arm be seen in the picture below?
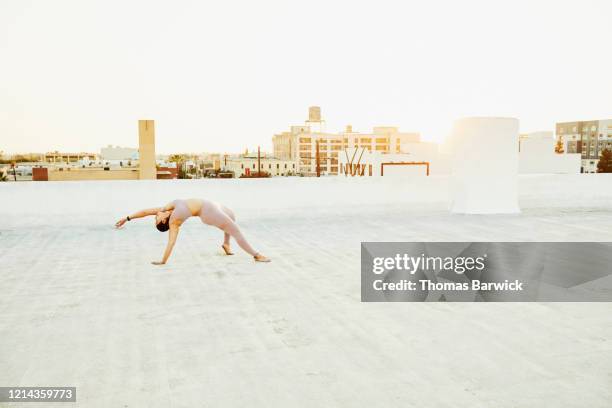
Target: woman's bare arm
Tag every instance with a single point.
(169, 206)
(139, 214)
(172, 235)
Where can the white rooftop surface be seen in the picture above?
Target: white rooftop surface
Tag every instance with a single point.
(82, 306)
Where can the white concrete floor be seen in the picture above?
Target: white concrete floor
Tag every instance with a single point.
(81, 305)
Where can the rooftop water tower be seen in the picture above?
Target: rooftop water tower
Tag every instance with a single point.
(316, 124)
(314, 114)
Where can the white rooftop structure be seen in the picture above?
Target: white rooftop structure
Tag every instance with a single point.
(484, 166)
(537, 155)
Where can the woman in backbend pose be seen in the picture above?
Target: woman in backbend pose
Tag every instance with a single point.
(174, 214)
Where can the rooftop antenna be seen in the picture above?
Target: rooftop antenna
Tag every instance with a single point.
(318, 160)
(258, 162)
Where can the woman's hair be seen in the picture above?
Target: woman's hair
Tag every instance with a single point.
(163, 226)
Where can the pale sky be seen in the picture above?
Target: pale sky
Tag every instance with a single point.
(226, 75)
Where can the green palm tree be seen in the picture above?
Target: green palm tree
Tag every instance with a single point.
(178, 159)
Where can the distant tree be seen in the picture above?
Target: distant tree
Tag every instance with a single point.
(605, 161)
(559, 147)
(178, 159)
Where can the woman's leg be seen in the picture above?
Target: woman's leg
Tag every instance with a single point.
(226, 236)
(223, 218)
(230, 228)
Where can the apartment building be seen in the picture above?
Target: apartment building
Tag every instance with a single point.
(588, 138)
(118, 153)
(310, 144)
(245, 165)
(64, 157)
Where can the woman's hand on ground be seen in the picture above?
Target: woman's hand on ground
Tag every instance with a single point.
(157, 263)
(120, 223)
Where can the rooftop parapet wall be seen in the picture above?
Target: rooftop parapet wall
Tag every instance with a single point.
(92, 174)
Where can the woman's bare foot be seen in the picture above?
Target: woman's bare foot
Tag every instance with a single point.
(261, 258)
(227, 249)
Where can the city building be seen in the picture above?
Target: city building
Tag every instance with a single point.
(247, 164)
(167, 171)
(118, 153)
(209, 162)
(58, 166)
(64, 157)
(588, 138)
(313, 150)
(537, 155)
